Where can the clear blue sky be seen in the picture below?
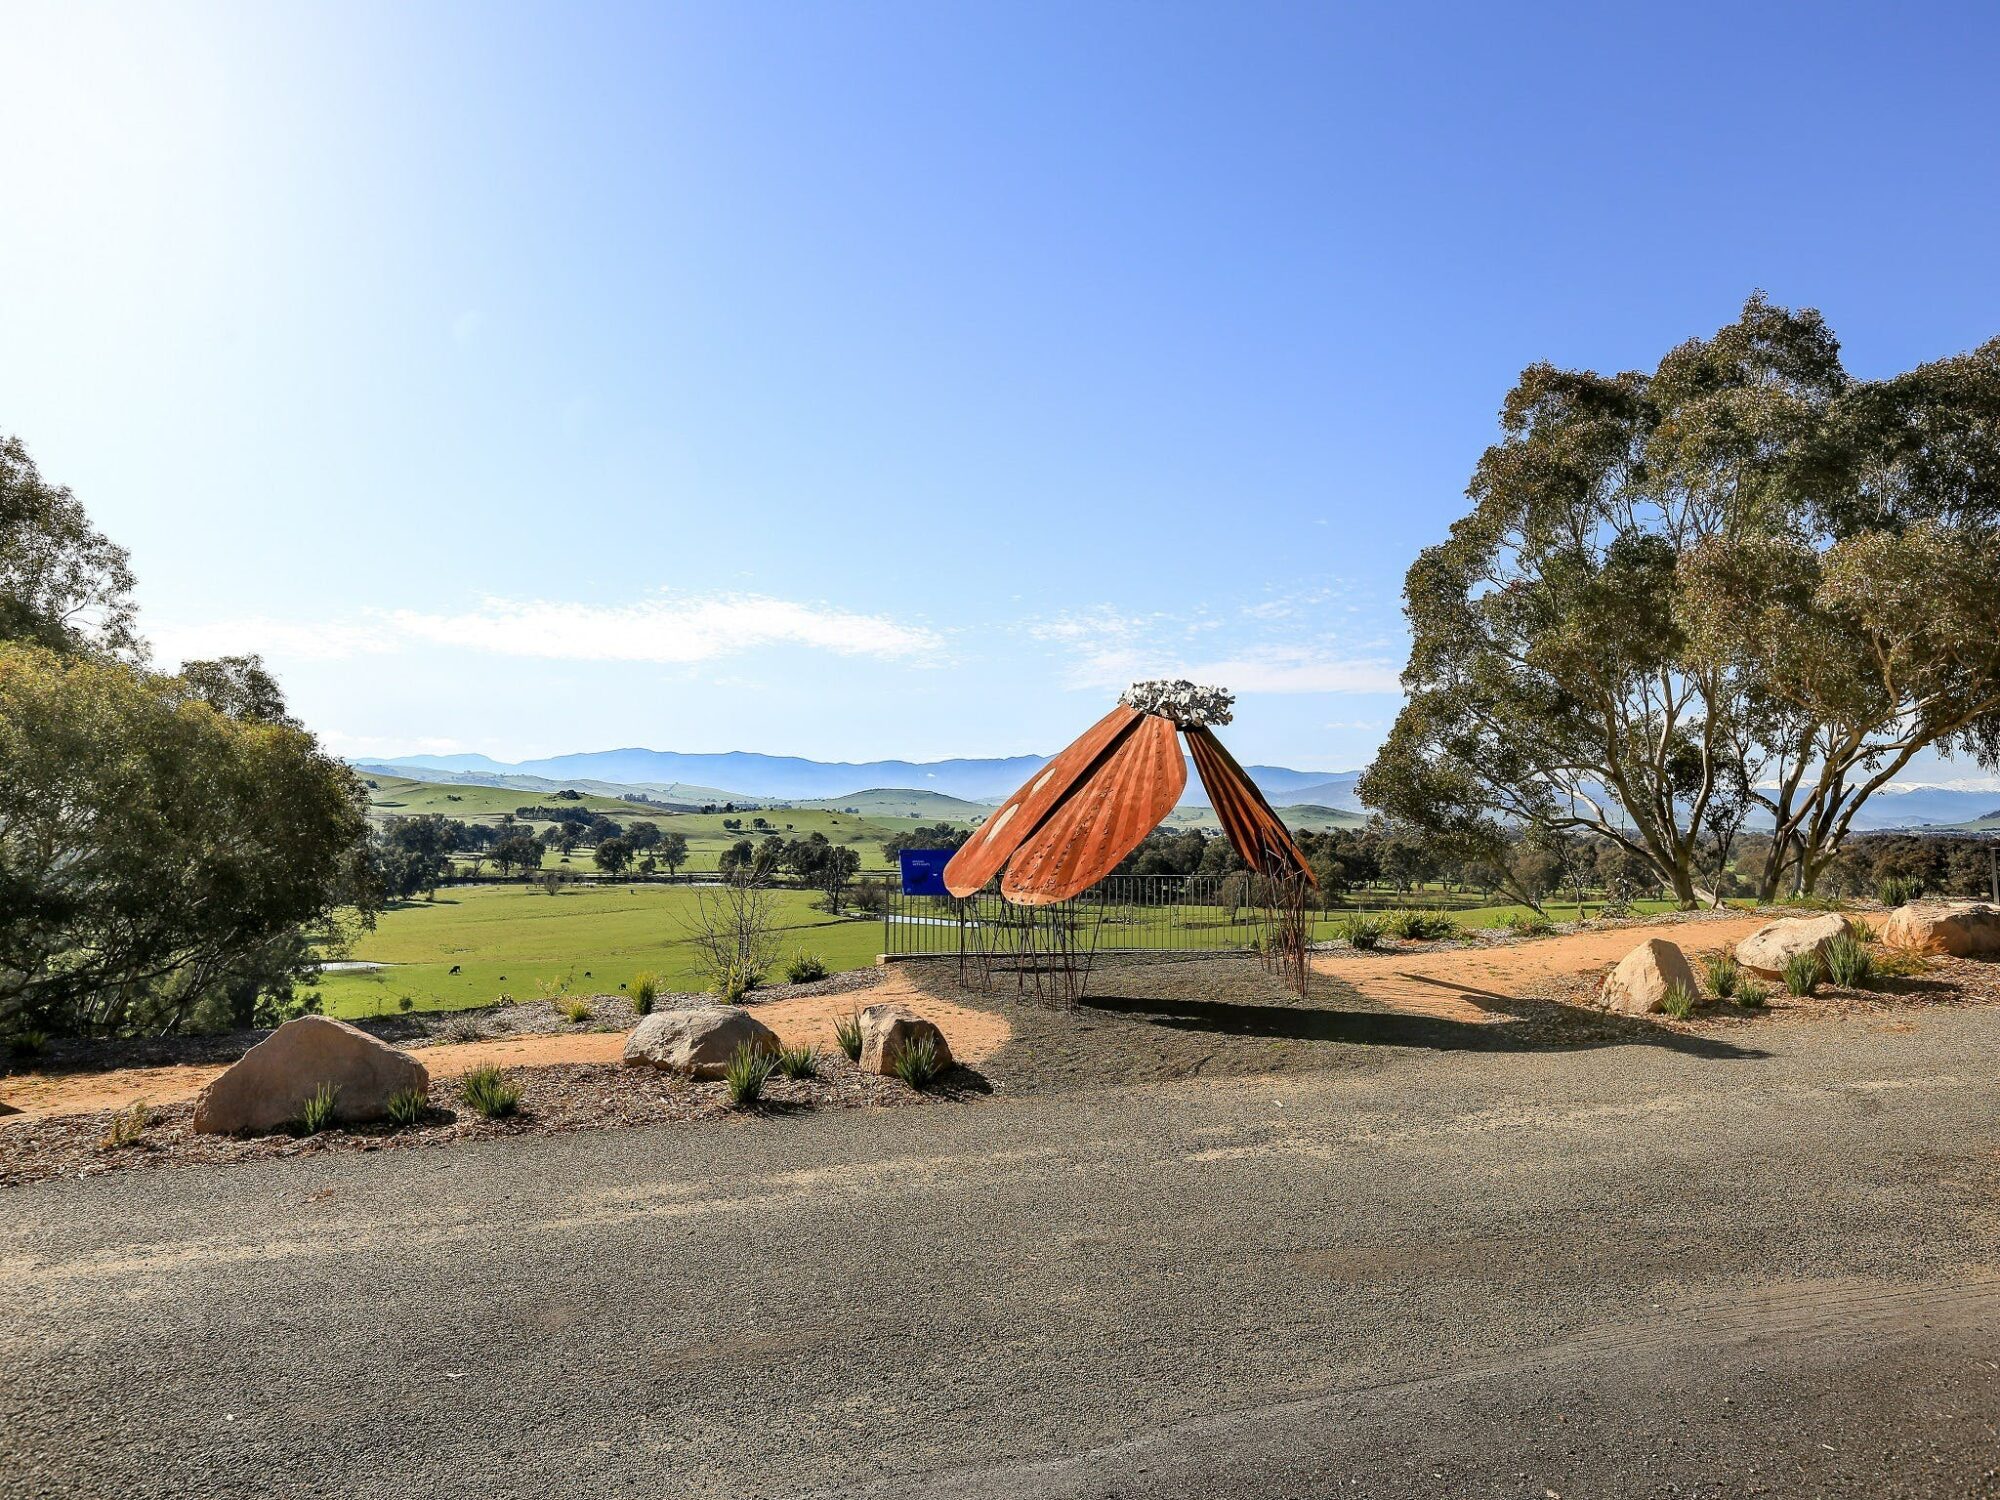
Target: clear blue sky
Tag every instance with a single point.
(860, 380)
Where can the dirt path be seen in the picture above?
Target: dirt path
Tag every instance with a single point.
(974, 1035)
(1454, 983)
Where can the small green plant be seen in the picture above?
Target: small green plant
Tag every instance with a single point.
(801, 1061)
(645, 990)
(1362, 932)
(126, 1127)
(1751, 995)
(488, 1091)
(1863, 929)
(1725, 974)
(1679, 1001)
(1901, 963)
(407, 1107)
(317, 1112)
(747, 1073)
(805, 968)
(847, 1032)
(1849, 963)
(28, 1043)
(1802, 972)
(918, 1062)
(1898, 890)
(737, 981)
(576, 1012)
(1530, 924)
(1412, 925)
(466, 1030)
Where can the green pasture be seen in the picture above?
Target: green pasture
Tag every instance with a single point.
(517, 939)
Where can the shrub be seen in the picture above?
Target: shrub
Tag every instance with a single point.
(736, 982)
(406, 1003)
(1802, 973)
(1362, 932)
(918, 1063)
(1898, 890)
(1849, 963)
(746, 1075)
(1751, 995)
(126, 1127)
(488, 1091)
(847, 1031)
(464, 1031)
(1530, 924)
(799, 1062)
(1863, 929)
(805, 968)
(29, 1043)
(645, 990)
(1900, 963)
(574, 1011)
(317, 1112)
(1679, 1001)
(407, 1107)
(1724, 974)
(1420, 926)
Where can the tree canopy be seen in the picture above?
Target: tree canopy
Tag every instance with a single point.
(1744, 582)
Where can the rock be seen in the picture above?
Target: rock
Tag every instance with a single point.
(271, 1082)
(1767, 950)
(1964, 929)
(887, 1029)
(1643, 977)
(697, 1042)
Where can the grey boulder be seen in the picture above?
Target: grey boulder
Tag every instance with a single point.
(271, 1082)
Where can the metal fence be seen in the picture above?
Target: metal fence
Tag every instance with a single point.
(1120, 914)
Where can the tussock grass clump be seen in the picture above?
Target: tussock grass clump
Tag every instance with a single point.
(1751, 995)
(918, 1063)
(805, 968)
(737, 981)
(1898, 890)
(576, 1012)
(1679, 1001)
(1802, 973)
(30, 1043)
(847, 1032)
(126, 1127)
(316, 1114)
(1530, 924)
(488, 1091)
(801, 1061)
(1412, 925)
(748, 1071)
(1724, 974)
(1899, 963)
(645, 990)
(1849, 963)
(407, 1107)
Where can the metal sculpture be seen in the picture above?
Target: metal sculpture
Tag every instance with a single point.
(1095, 803)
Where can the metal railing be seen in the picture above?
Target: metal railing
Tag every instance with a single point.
(1120, 914)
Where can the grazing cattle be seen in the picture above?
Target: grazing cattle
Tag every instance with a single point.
(454, 968)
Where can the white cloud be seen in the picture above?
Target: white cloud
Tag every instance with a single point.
(671, 628)
(1261, 653)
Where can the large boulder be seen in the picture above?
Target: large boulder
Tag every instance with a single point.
(888, 1028)
(698, 1042)
(1643, 977)
(1767, 950)
(270, 1083)
(1964, 929)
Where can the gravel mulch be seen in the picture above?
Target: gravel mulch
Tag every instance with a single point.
(559, 1099)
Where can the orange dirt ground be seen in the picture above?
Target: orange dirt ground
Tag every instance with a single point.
(1451, 983)
(974, 1035)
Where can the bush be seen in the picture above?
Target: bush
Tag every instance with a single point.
(1849, 963)
(1530, 924)
(645, 990)
(847, 1031)
(1802, 973)
(407, 1107)
(406, 1003)
(1751, 995)
(488, 1091)
(746, 1075)
(1724, 974)
(126, 1127)
(799, 1062)
(29, 1043)
(1408, 923)
(574, 1011)
(805, 968)
(317, 1112)
(1898, 890)
(1362, 932)
(736, 982)
(918, 1063)
(1901, 964)
(1679, 1001)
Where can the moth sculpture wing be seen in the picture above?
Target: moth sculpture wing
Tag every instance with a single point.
(1103, 817)
(1256, 832)
(979, 859)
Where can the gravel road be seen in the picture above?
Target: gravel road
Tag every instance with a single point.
(1631, 1270)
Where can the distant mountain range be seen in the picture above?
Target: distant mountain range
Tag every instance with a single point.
(745, 776)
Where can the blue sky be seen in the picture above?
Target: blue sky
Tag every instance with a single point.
(862, 380)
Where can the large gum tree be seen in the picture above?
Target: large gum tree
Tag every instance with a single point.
(1743, 587)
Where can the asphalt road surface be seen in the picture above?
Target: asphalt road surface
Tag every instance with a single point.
(1627, 1271)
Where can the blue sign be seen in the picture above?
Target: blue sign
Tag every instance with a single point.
(923, 871)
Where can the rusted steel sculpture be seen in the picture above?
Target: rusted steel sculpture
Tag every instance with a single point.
(1093, 804)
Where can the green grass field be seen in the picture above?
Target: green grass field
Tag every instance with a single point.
(514, 939)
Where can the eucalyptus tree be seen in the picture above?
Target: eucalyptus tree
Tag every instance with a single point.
(1742, 584)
